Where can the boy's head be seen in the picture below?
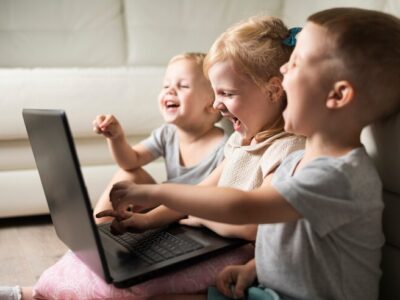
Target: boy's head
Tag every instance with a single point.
(186, 97)
(367, 45)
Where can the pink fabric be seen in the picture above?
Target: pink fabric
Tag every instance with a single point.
(69, 278)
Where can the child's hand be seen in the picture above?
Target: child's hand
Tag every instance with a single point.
(126, 222)
(126, 194)
(192, 221)
(108, 126)
(233, 280)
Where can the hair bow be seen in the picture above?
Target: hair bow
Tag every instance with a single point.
(291, 39)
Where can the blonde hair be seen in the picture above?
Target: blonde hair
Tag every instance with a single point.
(255, 47)
(197, 57)
(368, 44)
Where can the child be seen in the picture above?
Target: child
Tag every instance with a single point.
(243, 65)
(191, 144)
(321, 231)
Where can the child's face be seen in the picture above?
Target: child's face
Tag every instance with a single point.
(186, 94)
(307, 81)
(241, 101)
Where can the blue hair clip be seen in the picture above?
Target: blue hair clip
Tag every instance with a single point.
(291, 39)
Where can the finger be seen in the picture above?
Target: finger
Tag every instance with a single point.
(240, 286)
(122, 208)
(117, 228)
(107, 213)
(189, 222)
(99, 119)
(232, 291)
(185, 222)
(96, 127)
(97, 130)
(223, 282)
(108, 120)
(133, 224)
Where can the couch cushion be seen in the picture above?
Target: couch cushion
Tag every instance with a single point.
(48, 33)
(129, 93)
(17, 154)
(187, 25)
(382, 141)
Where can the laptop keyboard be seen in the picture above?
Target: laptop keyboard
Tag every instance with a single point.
(154, 245)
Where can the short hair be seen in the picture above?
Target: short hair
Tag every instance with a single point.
(254, 46)
(197, 57)
(368, 44)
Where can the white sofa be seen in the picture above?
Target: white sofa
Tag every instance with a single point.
(108, 56)
(90, 57)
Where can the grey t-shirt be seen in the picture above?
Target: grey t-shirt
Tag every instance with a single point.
(334, 250)
(164, 141)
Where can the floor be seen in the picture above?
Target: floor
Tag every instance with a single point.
(28, 246)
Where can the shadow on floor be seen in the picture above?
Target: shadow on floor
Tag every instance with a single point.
(25, 221)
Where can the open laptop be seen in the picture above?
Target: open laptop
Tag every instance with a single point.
(122, 260)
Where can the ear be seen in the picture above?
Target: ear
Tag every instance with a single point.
(274, 89)
(342, 94)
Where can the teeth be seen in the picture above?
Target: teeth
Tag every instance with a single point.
(169, 104)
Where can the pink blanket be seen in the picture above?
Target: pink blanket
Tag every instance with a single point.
(69, 278)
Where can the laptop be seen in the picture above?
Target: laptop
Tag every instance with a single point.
(123, 260)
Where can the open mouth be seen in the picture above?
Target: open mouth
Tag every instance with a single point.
(171, 104)
(284, 103)
(236, 123)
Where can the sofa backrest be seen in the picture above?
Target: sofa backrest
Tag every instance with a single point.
(382, 141)
(62, 33)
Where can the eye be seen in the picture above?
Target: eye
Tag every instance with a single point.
(227, 94)
(184, 86)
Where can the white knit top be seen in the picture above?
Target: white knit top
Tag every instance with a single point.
(246, 166)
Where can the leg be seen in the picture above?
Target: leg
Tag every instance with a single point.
(137, 175)
(16, 292)
(27, 293)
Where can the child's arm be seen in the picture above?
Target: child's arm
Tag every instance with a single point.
(247, 232)
(127, 157)
(228, 205)
(157, 217)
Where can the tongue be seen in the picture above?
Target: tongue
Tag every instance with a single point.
(236, 124)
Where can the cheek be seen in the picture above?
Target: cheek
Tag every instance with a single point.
(235, 107)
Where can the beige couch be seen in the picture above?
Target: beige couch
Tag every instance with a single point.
(108, 56)
(90, 57)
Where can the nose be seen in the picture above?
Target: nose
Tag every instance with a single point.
(171, 90)
(219, 105)
(283, 69)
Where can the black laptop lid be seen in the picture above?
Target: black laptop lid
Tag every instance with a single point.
(64, 188)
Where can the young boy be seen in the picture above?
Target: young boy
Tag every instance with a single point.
(322, 234)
